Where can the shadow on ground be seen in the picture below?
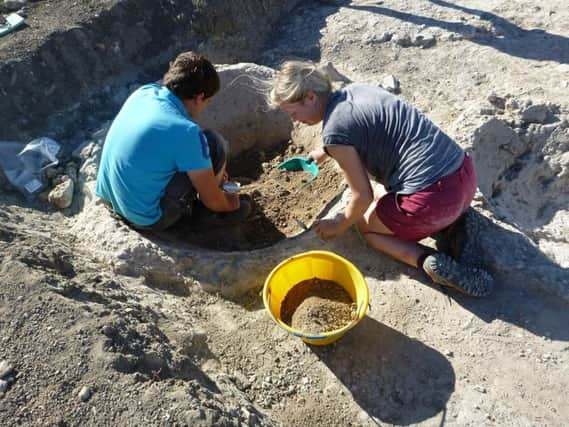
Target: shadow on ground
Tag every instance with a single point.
(300, 43)
(392, 377)
(258, 232)
(533, 44)
(540, 314)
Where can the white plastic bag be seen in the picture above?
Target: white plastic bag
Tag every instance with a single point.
(24, 166)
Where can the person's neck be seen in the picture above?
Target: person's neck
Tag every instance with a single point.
(190, 106)
(323, 104)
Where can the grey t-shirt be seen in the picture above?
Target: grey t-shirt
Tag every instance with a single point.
(398, 144)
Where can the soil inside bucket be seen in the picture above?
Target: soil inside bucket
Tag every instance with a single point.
(315, 306)
(279, 199)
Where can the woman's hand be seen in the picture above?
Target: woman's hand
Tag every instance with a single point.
(362, 196)
(318, 155)
(327, 228)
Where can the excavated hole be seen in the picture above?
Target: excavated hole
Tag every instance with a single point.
(280, 199)
(260, 138)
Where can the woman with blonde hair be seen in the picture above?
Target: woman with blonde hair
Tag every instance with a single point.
(429, 180)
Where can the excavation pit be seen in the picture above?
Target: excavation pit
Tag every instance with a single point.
(281, 202)
(260, 138)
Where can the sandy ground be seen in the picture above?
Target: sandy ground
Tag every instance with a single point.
(84, 345)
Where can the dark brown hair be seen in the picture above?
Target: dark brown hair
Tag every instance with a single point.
(191, 74)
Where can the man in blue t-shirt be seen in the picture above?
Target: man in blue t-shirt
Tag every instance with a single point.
(156, 161)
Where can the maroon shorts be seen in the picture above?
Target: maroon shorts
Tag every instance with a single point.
(419, 215)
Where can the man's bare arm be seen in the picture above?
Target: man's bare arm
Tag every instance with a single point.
(211, 195)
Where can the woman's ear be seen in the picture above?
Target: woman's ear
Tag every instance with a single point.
(310, 97)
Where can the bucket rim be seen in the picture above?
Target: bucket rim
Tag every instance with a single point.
(361, 311)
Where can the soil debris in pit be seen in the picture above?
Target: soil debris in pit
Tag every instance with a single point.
(316, 306)
(279, 199)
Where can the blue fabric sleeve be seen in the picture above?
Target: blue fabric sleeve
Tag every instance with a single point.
(193, 151)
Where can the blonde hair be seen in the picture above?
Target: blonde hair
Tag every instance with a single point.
(295, 79)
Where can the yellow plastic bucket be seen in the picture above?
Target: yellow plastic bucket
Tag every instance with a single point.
(308, 265)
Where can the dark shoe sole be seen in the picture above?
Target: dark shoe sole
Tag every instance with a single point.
(445, 271)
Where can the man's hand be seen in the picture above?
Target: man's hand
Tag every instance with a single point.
(211, 195)
(233, 200)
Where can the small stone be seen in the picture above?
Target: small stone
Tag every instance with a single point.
(3, 386)
(487, 110)
(497, 101)
(403, 40)
(5, 369)
(512, 104)
(62, 195)
(85, 394)
(391, 84)
(424, 41)
(480, 389)
(535, 114)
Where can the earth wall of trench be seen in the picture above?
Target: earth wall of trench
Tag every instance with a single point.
(66, 82)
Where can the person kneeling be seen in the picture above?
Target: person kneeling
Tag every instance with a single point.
(156, 161)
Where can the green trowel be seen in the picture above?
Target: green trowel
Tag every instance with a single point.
(297, 164)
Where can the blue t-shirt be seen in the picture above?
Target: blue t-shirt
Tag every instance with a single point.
(151, 139)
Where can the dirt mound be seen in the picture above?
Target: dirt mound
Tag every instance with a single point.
(521, 159)
(89, 58)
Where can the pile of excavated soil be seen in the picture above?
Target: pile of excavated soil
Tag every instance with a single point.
(315, 306)
(280, 199)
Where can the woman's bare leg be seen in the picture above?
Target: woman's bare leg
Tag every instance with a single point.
(379, 237)
(439, 267)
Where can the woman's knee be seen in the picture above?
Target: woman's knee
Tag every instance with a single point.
(363, 225)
